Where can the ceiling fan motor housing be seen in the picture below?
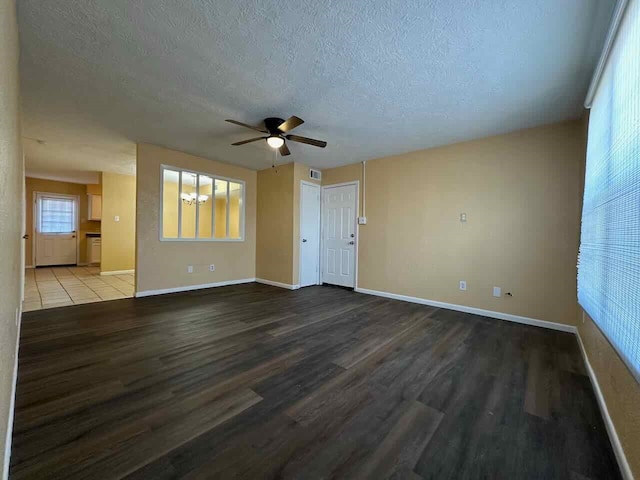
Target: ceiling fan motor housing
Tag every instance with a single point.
(272, 124)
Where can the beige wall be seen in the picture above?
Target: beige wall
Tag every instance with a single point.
(278, 245)
(52, 186)
(619, 388)
(11, 222)
(521, 195)
(163, 264)
(118, 238)
(274, 249)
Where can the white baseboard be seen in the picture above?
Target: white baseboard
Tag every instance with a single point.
(611, 429)
(118, 272)
(278, 284)
(12, 404)
(188, 288)
(476, 311)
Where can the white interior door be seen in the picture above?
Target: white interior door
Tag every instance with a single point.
(55, 230)
(309, 234)
(339, 235)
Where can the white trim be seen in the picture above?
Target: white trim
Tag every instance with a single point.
(118, 272)
(616, 20)
(611, 429)
(319, 187)
(12, 404)
(188, 288)
(277, 284)
(356, 229)
(476, 311)
(29, 266)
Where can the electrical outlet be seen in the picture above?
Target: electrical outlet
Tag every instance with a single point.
(362, 220)
(497, 292)
(189, 268)
(463, 217)
(116, 218)
(463, 285)
(212, 268)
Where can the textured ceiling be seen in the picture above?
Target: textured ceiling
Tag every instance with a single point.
(372, 78)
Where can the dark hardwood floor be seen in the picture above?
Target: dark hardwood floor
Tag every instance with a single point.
(254, 382)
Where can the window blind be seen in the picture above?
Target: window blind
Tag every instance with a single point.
(57, 215)
(609, 262)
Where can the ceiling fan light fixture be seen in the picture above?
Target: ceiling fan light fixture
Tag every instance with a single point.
(275, 141)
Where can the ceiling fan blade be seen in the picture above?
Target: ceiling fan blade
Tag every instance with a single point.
(249, 141)
(290, 123)
(247, 126)
(284, 150)
(308, 141)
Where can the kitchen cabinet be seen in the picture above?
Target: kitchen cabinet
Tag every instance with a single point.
(95, 207)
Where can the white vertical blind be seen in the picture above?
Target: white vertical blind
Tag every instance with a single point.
(609, 264)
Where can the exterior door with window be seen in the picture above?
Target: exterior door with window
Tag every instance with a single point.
(56, 229)
(339, 235)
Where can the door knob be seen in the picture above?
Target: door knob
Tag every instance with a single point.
(304, 240)
(25, 236)
(352, 242)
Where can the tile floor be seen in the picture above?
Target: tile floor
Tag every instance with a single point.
(60, 286)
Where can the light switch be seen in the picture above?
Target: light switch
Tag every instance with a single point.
(116, 218)
(463, 285)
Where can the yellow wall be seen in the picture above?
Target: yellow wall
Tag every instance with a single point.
(11, 223)
(163, 264)
(274, 251)
(619, 388)
(278, 246)
(521, 195)
(118, 238)
(95, 189)
(51, 186)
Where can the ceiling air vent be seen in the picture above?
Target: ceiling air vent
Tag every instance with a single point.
(315, 174)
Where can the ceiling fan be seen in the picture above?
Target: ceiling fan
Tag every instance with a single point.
(276, 128)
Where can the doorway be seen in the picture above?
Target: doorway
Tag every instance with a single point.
(339, 242)
(55, 229)
(309, 234)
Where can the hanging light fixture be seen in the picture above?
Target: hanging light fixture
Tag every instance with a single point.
(191, 198)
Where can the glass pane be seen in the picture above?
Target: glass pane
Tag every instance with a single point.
(170, 204)
(221, 209)
(57, 215)
(235, 210)
(205, 203)
(189, 197)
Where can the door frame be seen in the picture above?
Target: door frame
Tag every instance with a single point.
(356, 229)
(318, 276)
(34, 223)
